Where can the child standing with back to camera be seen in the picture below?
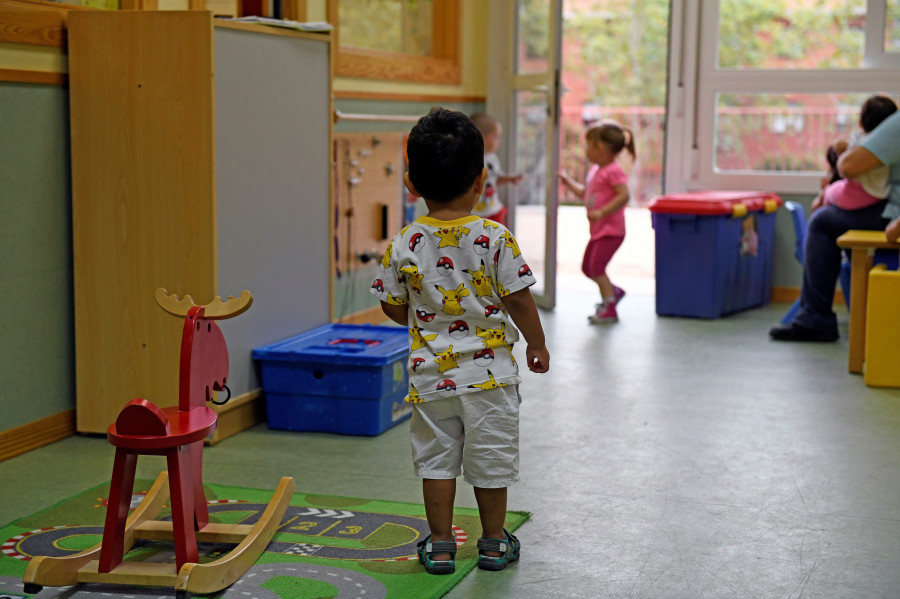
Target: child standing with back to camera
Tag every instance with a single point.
(459, 282)
(605, 194)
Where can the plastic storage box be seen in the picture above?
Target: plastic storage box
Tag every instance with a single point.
(339, 378)
(713, 251)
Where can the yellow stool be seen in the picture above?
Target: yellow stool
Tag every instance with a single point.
(883, 328)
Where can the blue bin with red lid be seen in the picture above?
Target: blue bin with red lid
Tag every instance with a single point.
(338, 378)
(714, 251)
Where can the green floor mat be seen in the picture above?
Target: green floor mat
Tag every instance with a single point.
(327, 546)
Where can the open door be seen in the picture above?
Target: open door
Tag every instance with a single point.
(527, 93)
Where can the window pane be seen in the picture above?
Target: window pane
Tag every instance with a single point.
(530, 158)
(533, 37)
(781, 132)
(892, 26)
(401, 26)
(792, 34)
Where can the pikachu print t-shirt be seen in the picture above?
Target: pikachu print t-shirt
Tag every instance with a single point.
(454, 276)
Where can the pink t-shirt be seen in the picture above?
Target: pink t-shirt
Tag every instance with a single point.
(849, 195)
(599, 191)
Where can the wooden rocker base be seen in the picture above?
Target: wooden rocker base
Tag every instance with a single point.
(142, 525)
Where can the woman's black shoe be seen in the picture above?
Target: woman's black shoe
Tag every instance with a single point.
(795, 332)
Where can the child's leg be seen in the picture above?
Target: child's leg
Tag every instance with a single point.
(439, 495)
(492, 511)
(607, 289)
(597, 255)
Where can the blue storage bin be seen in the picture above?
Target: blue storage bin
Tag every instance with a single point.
(340, 378)
(342, 415)
(714, 252)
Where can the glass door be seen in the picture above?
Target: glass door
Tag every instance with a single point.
(534, 103)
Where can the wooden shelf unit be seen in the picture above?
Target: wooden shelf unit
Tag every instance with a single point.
(200, 163)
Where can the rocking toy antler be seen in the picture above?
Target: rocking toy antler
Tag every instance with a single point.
(215, 310)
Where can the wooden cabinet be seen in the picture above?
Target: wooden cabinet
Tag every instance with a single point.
(200, 163)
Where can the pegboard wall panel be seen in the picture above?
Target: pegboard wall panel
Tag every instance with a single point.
(369, 196)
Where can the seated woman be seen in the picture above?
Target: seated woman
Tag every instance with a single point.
(816, 320)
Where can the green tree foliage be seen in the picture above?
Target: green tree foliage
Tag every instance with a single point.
(402, 26)
(534, 19)
(623, 48)
(824, 34)
(623, 44)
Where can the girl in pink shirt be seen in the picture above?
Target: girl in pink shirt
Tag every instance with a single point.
(605, 194)
(871, 187)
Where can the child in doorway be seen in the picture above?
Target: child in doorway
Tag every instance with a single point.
(489, 205)
(871, 187)
(605, 194)
(460, 283)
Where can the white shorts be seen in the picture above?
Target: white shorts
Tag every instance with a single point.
(475, 433)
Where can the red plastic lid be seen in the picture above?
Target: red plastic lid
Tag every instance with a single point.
(716, 202)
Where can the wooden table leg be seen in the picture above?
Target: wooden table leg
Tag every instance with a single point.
(860, 264)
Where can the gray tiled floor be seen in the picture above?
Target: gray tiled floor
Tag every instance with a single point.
(661, 458)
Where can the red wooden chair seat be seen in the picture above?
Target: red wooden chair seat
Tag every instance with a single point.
(183, 428)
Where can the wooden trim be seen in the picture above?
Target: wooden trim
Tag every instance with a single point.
(784, 294)
(139, 5)
(318, 36)
(442, 67)
(17, 76)
(293, 10)
(445, 30)
(33, 435)
(389, 66)
(790, 294)
(372, 315)
(240, 413)
(393, 97)
(35, 22)
(332, 175)
(235, 416)
(839, 297)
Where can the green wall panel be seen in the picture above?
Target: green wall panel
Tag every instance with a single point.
(36, 328)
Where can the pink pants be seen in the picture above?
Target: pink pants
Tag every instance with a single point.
(597, 255)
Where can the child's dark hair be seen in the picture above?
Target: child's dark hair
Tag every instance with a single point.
(446, 153)
(874, 110)
(615, 137)
(832, 157)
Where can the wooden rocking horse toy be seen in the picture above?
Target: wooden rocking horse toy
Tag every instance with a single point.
(177, 433)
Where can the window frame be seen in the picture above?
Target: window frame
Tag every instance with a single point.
(442, 67)
(695, 80)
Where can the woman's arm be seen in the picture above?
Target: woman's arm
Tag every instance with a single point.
(892, 232)
(857, 161)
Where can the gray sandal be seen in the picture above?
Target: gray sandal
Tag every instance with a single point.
(508, 547)
(427, 548)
